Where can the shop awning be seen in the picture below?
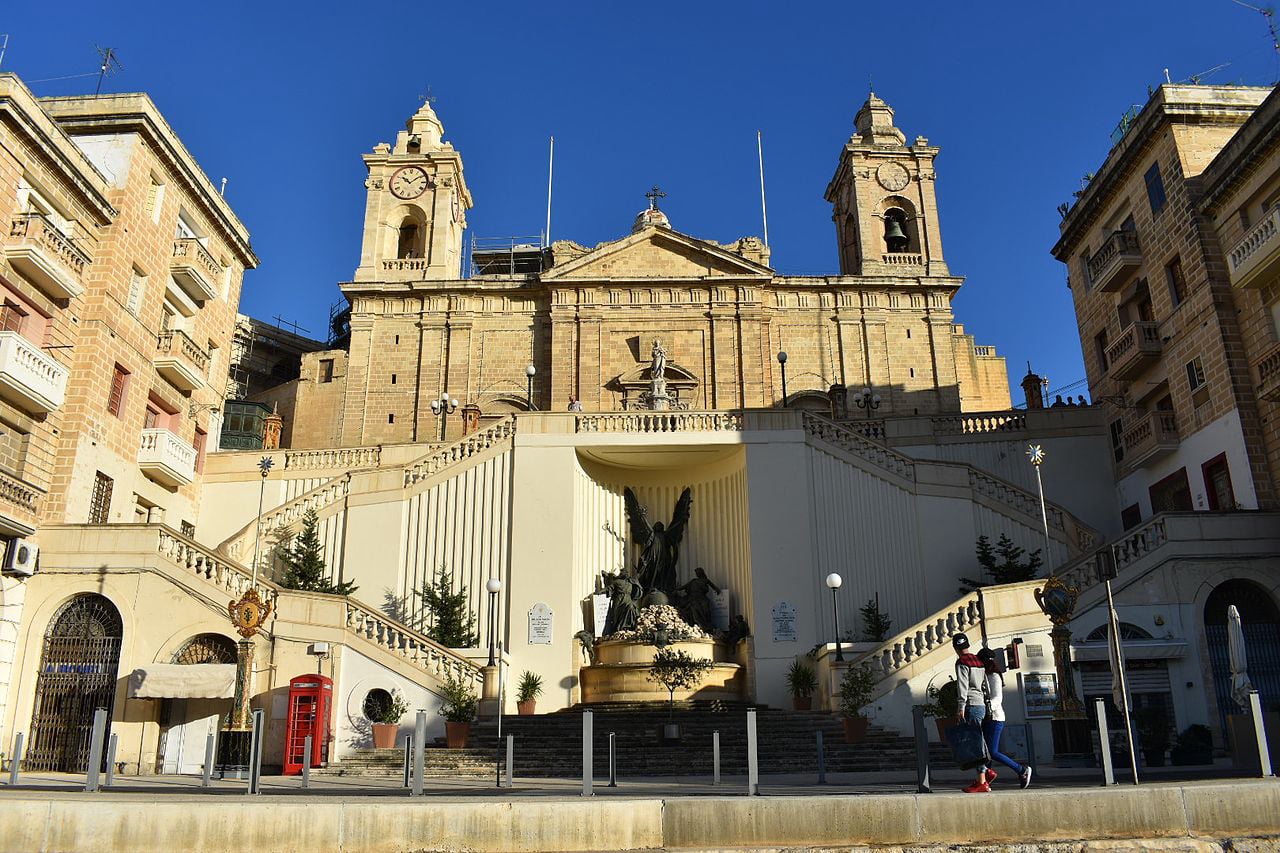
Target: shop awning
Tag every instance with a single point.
(1133, 650)
(183, 681)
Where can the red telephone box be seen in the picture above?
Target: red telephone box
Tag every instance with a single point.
(310, 706)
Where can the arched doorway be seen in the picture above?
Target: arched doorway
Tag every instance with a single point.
(1150, 690)
(1261, 622)
(185, 723)
(78, 667)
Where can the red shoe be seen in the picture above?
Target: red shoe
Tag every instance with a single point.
(978, 788)
(991, 776)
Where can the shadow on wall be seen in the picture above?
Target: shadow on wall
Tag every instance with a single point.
(803, 392)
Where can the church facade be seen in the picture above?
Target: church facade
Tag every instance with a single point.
(534, 326)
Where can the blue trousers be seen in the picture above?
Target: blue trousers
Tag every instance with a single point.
(991, 729)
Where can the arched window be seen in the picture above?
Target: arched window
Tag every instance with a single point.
(409, 242)
(1128, 631)
(206, 648)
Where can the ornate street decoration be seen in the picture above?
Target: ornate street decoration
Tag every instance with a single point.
(1036, 454)
(249, 613)
(1057, 599)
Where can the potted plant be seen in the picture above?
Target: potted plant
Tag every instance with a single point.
(1153, 734)
(1193, 746)
(943, 706)
(458, 710)
(855, 693)
(676, 670)
(384, 711)
(801, 682)
(527, 692)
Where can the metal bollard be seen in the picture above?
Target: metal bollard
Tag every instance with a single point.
(210, 741)
(419, 752)
(96, 737)
(588, 770)
(822, 762)
(715, 758)
(408, 760)
(1264, 756)
(111, 759)
(511, 760)
(1104, 744)
(753, 768)
(923, 782)
(613, 763)
(306, 762)
(16, 760)
(255, 752)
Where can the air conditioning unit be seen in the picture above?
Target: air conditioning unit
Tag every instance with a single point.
(20, 558)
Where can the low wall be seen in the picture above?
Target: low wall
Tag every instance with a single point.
(123, 823)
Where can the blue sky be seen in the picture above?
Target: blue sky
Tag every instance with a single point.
(282, 99)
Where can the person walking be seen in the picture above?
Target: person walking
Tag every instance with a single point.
(971, 707)
(993, 725)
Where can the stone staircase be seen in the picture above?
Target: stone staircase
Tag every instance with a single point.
(550, 745)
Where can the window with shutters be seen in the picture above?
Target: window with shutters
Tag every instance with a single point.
(12, 317)
(137, 288)
(1195, 374)
(155, 199)
(100, 500)
(1155, 189)
(1177, 281)
(201, 439)
(119, 385)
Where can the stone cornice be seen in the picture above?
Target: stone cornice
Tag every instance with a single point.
(136, 113)
(1255, 141)
(31, 122)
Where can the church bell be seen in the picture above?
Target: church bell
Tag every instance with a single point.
(894, 237)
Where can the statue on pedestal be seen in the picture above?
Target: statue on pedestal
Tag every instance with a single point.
(624, 602)
(692, 601)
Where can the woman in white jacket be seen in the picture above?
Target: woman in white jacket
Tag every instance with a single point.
(993, 724)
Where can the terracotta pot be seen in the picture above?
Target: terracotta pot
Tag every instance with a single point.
(855, 728)
(456, 734)
(384, 735)
(802, 703)
(943, 723)
(525, 708)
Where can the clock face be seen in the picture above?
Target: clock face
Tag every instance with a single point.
(892, 176)
(409, 182)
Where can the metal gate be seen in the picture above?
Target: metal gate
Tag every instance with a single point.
(77, 675)
(1262, 644)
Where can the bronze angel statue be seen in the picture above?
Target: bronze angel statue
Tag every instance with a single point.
(659, 544)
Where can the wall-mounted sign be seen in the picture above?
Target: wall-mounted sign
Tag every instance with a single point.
(784, 623)
(719, 608)
(1039, 693)
(540, 624)
(599, 612)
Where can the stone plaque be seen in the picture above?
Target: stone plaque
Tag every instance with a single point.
(599, 612)
(540, 624)
(784, 623)
(719, 608)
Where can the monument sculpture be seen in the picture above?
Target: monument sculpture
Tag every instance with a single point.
(659, 544)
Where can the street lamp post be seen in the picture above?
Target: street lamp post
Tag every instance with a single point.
(493, 585)
(442, 408)
(782, 362)
(864, 399)
(833, 583)
(529, 373)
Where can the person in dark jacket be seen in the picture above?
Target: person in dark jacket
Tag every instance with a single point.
(972, 705)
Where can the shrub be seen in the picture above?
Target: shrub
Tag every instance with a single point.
(944, 701)
(675, 670)
(801, 680)
(529, 687)
(855, 689)
(460, 701)
(388, 711)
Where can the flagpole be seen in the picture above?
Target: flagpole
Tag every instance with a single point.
(1118, 663)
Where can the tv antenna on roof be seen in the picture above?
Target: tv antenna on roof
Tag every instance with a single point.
(1270, 14)
(4, 45)
(110, 65)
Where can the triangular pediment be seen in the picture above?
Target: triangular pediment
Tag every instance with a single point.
(658, 253)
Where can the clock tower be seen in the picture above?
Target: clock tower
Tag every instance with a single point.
(883, 200)
(416, 208)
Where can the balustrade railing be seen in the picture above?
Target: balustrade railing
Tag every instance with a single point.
(177, 342)
(19, 492)
(659, 422)
(979, 423)
(904, 259)
(1120, 244)
(847, 439)
(37, 229)
(410, 645)
(923, 637)
(462, 449)
(1012, 496)
(1246, 253)
(288, 514)
(338, 457)
(232, 577)
(191, 250)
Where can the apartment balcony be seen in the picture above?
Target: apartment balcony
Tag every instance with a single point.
(1269, 376)
(1255, 260)
(1118, 257)
(194, 269)
(181, 361)
(167, 459)
(30, 379)
(1137, 348)
(1149, 439)
(45, 255)
(19, 505)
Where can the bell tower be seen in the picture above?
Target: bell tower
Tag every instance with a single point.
(883, 201)
(416, 208)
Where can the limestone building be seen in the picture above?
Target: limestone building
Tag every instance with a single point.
(582, 320)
